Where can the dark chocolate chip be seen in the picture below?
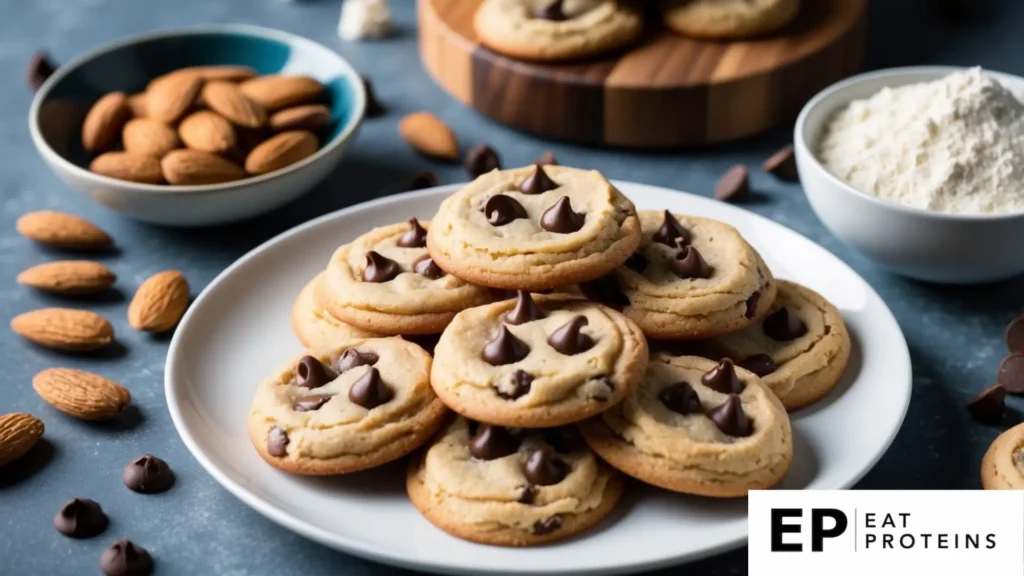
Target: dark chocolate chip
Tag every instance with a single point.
(637, 262)
(731, 419)
(782, 165)
(547, 159)
(1011, 373)
(374, 108)
(538, 182)
(605, 290)
(760, 364)
(564, 439)
(480, 160)
(1015, 335)
(80, 518)
(561, 219)
(414, 237)
(688, 263)
(40, 67)
(527, 496)
(501, 209)
(379, 268)
(569, 340)
(353, 358)
(126, 558)
(525, 310)
(722, 378)
(425, 266)
(734, 185)
(543, 469)
(680, 398)
(492, 442)
(547, 526)
(782, 326)
(369, 391)
(522, 381)
(311, 373)
(752, 305)
(277, 442)
(553, 11)
(670, 231)
(311, 403)
(423, 180)
(988, 406)
(148, 475)
(505, 348)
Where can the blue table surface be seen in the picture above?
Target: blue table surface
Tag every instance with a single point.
(955, 334)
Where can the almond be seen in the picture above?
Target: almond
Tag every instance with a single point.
(207, 131)
(429, 136)
(84, 395)
(227, 100)
(195, 167)
(128, 166)
(149, 137)
(62, 230)
(282, 150)
(168, 98)
(103, 123)
(159, 302)
(68, 277)
(226, 73)
(19, 432)
(311, 117)
(137, 104)
(282, 91)
(64, 329)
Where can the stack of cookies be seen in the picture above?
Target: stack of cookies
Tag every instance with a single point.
(574, 339)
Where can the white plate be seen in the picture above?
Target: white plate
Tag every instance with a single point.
(238, 330)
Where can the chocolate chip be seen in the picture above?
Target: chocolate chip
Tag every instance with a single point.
(80, 518)
(988, 406)
(760, 364)
(538, 182)
(782, 165)
(40, 67)
(501, 209)
(561, 219)
(126, 558)
(637, 262)
(369, 391)
(606, 290)
(680, 398)
(553, 11)
(543, 469)
(731, 419)
(752, 305)
(425, 266)
(782, 326)
(670, 231)
(277, 442)
(569, 340)
(734, 185)
(505, 348)
(547, 526)
(547, 159)
(722, 378)
(492, 442)
(564, 439)
(311, 373)
(480, 160)
(527, 496)
(148, 475)
(353, 358)
(1015, 335)
(379, 268)
(374, 108)
(522, 381)
(423, 180)
(1011, 373)
(414, 237)
(1018, 457)
(525, 310)
(689, 264)
(311, 403)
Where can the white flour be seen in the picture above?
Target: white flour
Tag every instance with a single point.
(953, 145)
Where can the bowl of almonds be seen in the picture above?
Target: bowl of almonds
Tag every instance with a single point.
(198, 126)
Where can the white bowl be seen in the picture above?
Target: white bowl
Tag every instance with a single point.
(931, 246)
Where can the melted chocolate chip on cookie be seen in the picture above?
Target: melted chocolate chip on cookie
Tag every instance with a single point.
(731, 419)
(670, 231)
(425, 266)
(369, 391)
(752, 305)
(783, 326)
(722, 378)
(353, 358)
(505, 348)
(379, 268)
(760, 364)
(414, 237)
(680, 398)
(547, 526)
(522, 381)
(561, 219)
(492, 442)
(569, 340)
(311, 373)
(564, 439)
(554, 11)
(311, 403)
(525, 310)
(688, 263)
(501, 209)
(277, 442)
(538, 182)
(543, 469)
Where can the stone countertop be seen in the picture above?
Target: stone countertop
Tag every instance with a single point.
(955, 334)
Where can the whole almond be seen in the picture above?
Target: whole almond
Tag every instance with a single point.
(195, 167)
(282, 91)
(227, 100)
(137, 105)
(310, 117)
(226, 73)
(68, 277)
(103, 123)
(282, 150)
(159, 302)
(84, 395)
(207, 131)
(19, 432)
(128, 166)
(62, 230)
(168, 99)
(149, 137)
(429, 136)
(64, 329)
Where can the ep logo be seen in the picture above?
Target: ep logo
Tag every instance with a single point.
(787, 528)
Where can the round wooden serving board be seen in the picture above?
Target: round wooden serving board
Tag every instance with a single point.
(665, 91)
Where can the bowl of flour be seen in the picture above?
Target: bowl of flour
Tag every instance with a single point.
(921, 169)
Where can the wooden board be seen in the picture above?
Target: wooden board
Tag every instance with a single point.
(665, 91)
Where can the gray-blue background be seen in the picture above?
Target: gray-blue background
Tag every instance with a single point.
(955, 334)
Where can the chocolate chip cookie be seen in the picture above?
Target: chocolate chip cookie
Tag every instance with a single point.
(357, 405)
(728, 19)
(511, 487)
(1002, 468)
(799, 349)
(696, 427)
(537, 363)
(314, 326)
(385, 282)
(534, 228)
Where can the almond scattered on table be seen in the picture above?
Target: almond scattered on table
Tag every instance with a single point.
(69, 277)
(129, 166)
(19, 432)
(103, 122)
(160, 302)
(429, 136)
(279, 151)
(62, 230)
(81, 394)
(64, 329)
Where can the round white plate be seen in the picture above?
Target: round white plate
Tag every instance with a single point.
(238, 330)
